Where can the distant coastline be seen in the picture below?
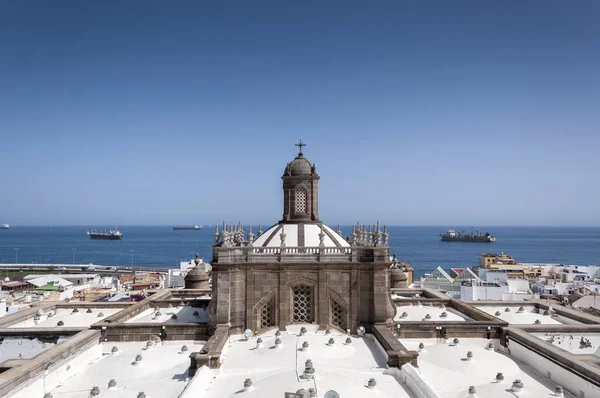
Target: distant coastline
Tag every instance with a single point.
(419, 246)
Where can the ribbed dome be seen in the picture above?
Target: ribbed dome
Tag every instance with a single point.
(300, 166)
(396, 274)
(398, 279)
(196, 278)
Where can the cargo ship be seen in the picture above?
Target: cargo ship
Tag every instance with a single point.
(4, 226)
(106, 235)
(452, 236)
(192, 228)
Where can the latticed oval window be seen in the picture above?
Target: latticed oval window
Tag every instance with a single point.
(300, 201)
(302, 303)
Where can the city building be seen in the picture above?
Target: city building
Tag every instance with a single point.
(299, 311)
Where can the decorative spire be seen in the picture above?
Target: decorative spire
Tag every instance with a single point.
(321, 237)
(353, 236)
(216, 234)
(250, 235)
(282, 235)
(300, 145)
(339, 231)
(385, 235)
(260, 231)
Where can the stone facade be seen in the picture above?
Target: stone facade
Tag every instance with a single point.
(259, 296)
(275, 286)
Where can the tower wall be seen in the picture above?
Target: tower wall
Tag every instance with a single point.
(360, 292)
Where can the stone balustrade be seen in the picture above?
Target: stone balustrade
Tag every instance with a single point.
(300, 254)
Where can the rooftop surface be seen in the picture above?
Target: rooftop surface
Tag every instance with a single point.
(162, 372)
(445, 368)
(527, 317)
(78, 319)
(24, 348)
(575, 343)
(419, 312)
(273, 371)
(184, 314)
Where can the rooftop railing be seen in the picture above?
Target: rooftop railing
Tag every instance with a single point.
(300, 254)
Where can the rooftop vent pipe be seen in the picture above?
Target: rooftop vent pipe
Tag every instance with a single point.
(371, 383)
(517, 386)
(472, 392)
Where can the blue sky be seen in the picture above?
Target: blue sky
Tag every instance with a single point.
(415, 113)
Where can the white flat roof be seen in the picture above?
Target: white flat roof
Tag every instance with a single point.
(24, 348)
(418, 312)
(45, 279)
(274, 371)
(70, 319)
(64, 276)
(184, 314)
(527, 317)
(161, 374)
(582, 343)
(445, 369)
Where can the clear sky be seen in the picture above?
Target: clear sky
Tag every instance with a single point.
(415, 112)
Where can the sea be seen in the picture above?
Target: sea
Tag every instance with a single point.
(161, 246)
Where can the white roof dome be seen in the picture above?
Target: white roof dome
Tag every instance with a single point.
(300, 235)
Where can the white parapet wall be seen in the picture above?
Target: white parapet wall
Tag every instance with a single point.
(56, 374)
(411, 377)
(560, 375)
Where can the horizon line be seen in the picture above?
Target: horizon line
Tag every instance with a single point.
(334, 224)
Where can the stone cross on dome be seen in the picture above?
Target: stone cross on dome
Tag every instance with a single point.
(300, 145)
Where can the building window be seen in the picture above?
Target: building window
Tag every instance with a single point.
(303, 304)
(267, 318)
(300, 201)
(338, 315)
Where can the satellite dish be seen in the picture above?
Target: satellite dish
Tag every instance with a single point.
(331, 394)
(248, 333)
(360, 331)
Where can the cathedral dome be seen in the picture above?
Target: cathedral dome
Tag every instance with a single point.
(300, 166)
(301, 235)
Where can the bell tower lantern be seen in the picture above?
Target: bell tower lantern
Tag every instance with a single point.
(300, 190)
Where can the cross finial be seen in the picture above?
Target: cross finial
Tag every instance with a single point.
(300, 145)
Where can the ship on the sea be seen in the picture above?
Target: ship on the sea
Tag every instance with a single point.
(5, 226)
(113, 234)
(193, 228)
(478, 236)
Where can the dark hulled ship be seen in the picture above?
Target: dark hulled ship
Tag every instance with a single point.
(106, 235)
(452, 236)
(191, 228)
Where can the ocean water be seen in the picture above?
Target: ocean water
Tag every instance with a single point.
(161, 246)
